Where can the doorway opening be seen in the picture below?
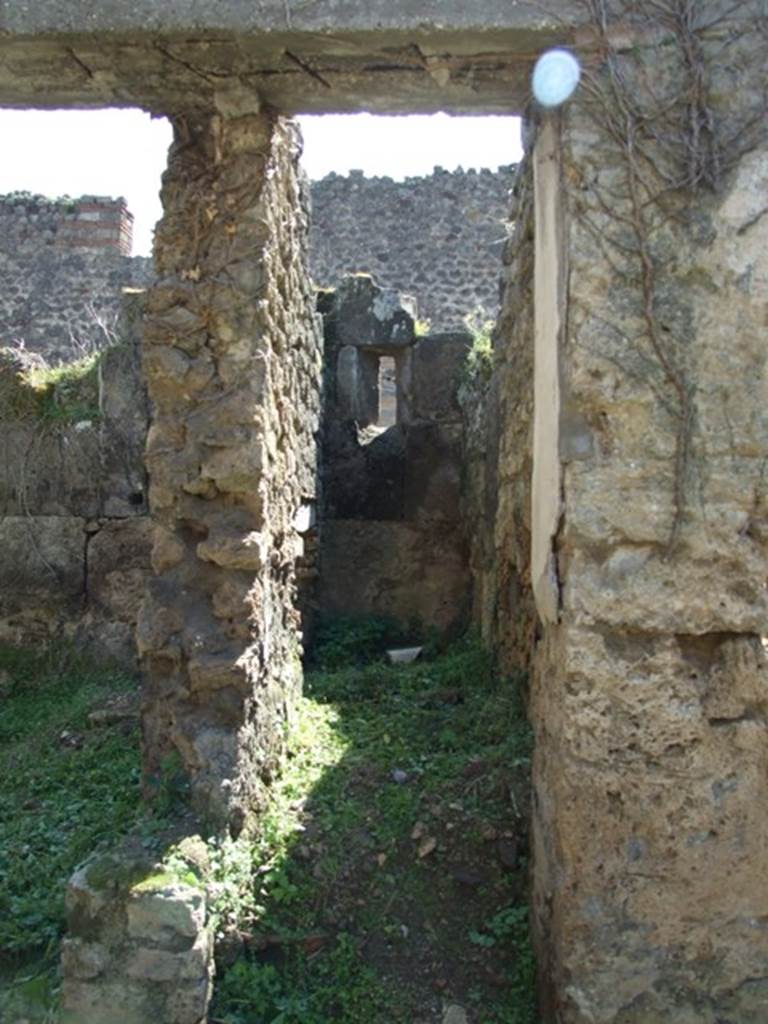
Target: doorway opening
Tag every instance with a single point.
(387, 392)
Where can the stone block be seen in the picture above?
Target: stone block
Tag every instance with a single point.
(437, 365)
(111, 642)
(170, 914)
(188, 1004)
(366, 315)
(109, 1001)
(118, 557)
(618, 523)
(234, 469)
(83, 960)
(357, 385)
(50, 471)
(366, 481)
(152, 965)
(432, 469)
(42, 562)
(216, 671)
(231, 548)
(393, 568)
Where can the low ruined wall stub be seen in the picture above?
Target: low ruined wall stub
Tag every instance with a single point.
(140, 944)
(649, 697)
(43, 561)
(232, 358)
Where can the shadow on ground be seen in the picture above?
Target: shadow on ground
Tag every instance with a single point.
(392, 865)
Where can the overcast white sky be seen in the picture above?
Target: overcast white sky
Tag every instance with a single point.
(123, 152)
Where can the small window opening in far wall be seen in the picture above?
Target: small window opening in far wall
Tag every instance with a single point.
(387, 392)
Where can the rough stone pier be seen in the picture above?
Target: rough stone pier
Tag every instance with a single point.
(621, 532)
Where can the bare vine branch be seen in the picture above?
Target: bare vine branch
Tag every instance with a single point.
(651, 95)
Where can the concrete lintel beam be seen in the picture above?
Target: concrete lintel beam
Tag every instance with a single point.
(387, 55)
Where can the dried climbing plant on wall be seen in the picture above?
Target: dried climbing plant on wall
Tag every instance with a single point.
(658, 92)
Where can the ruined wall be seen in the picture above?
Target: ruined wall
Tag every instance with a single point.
(392, 538)
(74, 532)
(497, 406)
(63, 264)
(437, 237)
(649, 552)
(140, 938)
(232, 359)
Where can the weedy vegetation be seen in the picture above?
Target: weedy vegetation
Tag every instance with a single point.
(478, 367)
(390, 871)
(388, 875)
(30, 388)
(69, 786)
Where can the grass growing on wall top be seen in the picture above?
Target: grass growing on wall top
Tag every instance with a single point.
(63, 394)
(69, 393)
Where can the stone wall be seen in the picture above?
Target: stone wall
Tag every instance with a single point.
(497, 405)
(649, 553)
(63, 265)
(232, 359)
(74, 533)
(392, 538)
(437, 237)
(648, 521)
(615, 471)
(64, 262)
(140, 940)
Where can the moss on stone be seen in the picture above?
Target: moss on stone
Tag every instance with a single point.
(113, 873)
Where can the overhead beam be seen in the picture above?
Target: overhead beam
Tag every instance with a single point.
(300, 57)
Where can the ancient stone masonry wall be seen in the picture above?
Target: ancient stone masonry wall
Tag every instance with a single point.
(437, 237)
(63, 264)
(140, 941)
(651, 689)
(232, 358)
(392, 538)
(74, 533)
(498, 441)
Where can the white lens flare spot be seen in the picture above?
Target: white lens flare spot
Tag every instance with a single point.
(555, 77)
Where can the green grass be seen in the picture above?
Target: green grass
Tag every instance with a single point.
(68, 786)
(332, 913)
(68, 393)
(63, 394)
(347, 922)
(344, 641)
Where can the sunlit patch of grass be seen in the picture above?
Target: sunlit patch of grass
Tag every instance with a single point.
(344, 907)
